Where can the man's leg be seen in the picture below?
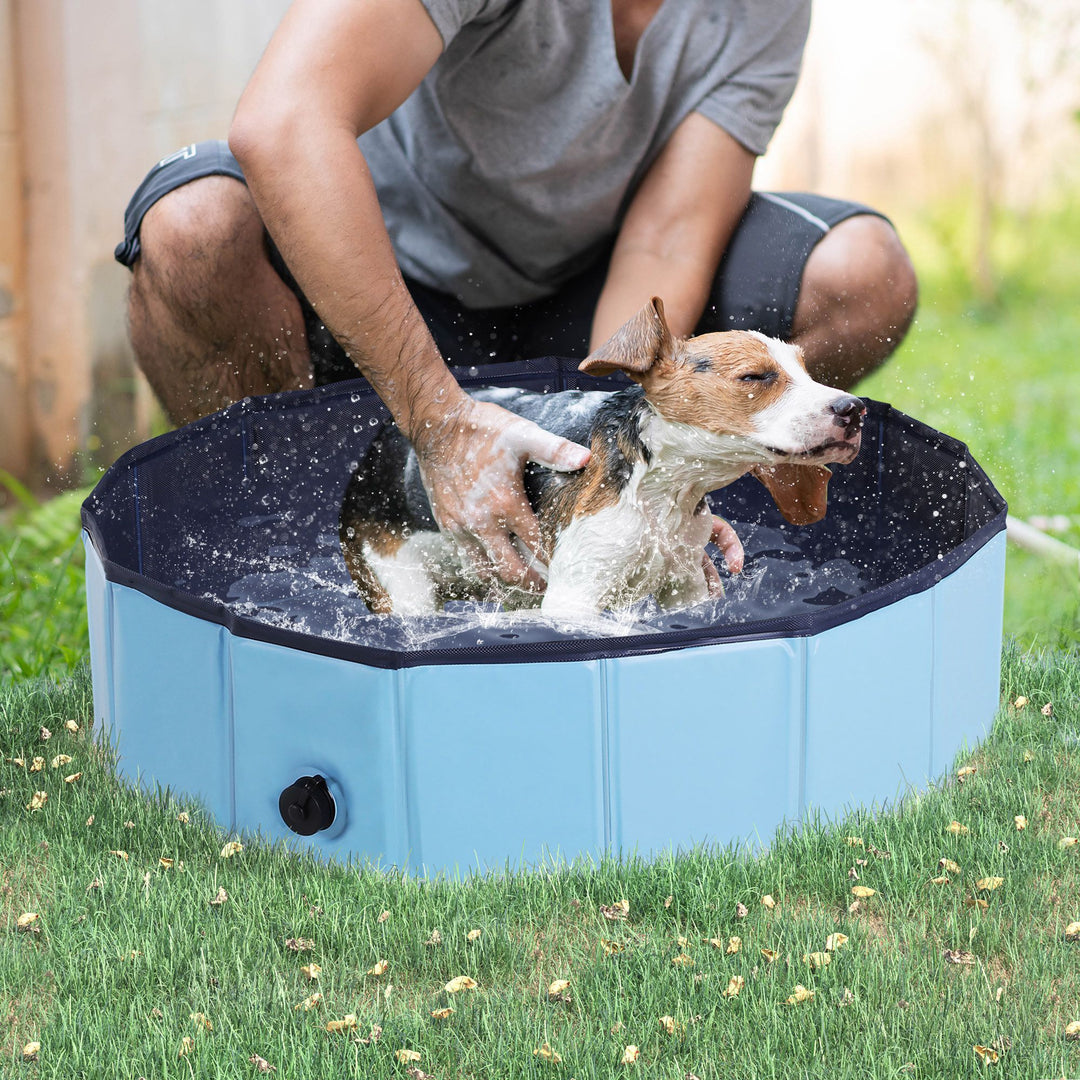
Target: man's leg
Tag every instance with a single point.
(857, 300)
(210, 319)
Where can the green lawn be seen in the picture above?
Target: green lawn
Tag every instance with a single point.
(129, 954)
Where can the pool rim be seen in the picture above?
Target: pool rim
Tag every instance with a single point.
(562, 650)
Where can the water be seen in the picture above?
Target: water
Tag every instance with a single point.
(314, 595)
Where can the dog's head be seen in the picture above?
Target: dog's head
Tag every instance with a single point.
(743, 384)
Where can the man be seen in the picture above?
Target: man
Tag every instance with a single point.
(527, 175)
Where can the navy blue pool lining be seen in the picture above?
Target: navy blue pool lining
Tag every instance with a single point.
(561, 650)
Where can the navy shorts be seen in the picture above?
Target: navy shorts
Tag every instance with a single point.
(756, 286)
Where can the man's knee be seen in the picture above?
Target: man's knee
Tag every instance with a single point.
(199, 232)
(862, 265)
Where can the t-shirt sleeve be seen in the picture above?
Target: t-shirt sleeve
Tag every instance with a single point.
(761, 69)
(449, 16)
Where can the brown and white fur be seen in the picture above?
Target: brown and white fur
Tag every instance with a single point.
(634, 522)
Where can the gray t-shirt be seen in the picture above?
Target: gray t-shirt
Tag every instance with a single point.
(511, 165)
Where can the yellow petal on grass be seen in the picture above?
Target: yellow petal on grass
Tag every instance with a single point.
(20, 762)
(37, 764)
(187, 1044)
(261, 1064)
(1020, 702)
(299, 944)
(309, 1003)
(37, 800)
(967, 770)
(119, 854)
(383, 916)
(25, 922)
(768, 902)
(988, 884)
(46, 734)
(817, 959)
(220, 897)
(1028, 756)
(1047, 709)
(1072, 1030)
(545, 1053)
(348, 1023)
(72, 778)
(558, 987)
(854, 841)
(834, 941)
(939, 880)
(435, 939)
(184, 817)
(957, 829)
(863, 892)
(166, 864)
(735, 984)
(380, 968)
(976, 901)
(442, 1014)
(734, 945)
(71, 727)
(610, 947)
(405, 1056)
(1021, 822)
(233, 847)
(948, 866)
(801, 994)
(987, 1054)
(310, 971)
(770, 955)
(1067, 842)
(473, 935)
(619, 910)
(682, 960)
(60, 759)
(1072, 931)
(668, 900)
(630, 1055)
(667, 1024)
(461, 982)
(31, 1050)
(202, 1021)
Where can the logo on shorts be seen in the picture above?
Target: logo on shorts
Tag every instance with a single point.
(181, 155)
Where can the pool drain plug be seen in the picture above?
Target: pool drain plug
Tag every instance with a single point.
(307, 806)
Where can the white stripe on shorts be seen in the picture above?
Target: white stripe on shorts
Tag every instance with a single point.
(796, 209)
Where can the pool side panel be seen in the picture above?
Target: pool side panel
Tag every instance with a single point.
(967, 662)
(706, 744)
(169, 710)
(99, 620)
(868, 694)
(298, 714)
(504, 763)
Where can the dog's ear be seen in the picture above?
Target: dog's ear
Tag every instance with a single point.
(636, 346)
(799, 491)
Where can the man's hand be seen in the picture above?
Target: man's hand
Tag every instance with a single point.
(471, 463)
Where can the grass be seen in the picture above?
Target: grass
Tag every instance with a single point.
(126, 949)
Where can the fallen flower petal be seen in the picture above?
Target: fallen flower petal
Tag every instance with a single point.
(383, 916)
(770, 955)
(37, 800)
(220, 897)
(863, 892)
(202, 1021)
(310, 971)
(441, 1014)
(557, 987)
(461, 982)
(309, 1003)
(801, 994)
(958, 956)
(957, 829)
(682, 960)
(949, 866)
(735, 984)
(545, 1053)
(1072, 1030)
(473, 935)
(988, 1055)
(768, 902)
(1072, 931)
(619, 910)
(31, 1050)
(187, 1044)
(380, 968)
(988, 884)
(261, 1064)
(405, 1056)
(817, 959)
(60, 759)
(346, 1024)
(233, 847)
(834, 941)
(630, 1055)
(299, 944)
(27, 921)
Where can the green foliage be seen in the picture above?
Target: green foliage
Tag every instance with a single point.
(42, 605)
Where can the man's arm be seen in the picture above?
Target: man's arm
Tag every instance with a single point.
(676, 228)
(334, 69)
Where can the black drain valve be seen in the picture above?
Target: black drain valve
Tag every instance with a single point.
(307, 806)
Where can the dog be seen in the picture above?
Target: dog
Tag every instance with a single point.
(634, 522)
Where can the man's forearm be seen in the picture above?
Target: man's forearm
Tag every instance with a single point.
(315, 194)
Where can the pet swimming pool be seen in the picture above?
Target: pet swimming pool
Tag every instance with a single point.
(233, 661)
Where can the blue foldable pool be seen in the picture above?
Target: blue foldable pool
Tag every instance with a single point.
(233, 660)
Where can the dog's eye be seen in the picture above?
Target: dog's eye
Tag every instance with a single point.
(758, 377)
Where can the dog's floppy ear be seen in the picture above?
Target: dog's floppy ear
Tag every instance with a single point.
(799, 491)
(636, 346)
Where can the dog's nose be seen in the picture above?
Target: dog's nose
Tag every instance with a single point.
(848, 412)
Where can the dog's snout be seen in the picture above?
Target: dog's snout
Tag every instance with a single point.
(848, 412)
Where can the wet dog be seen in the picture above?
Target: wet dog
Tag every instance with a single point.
(634, 522)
